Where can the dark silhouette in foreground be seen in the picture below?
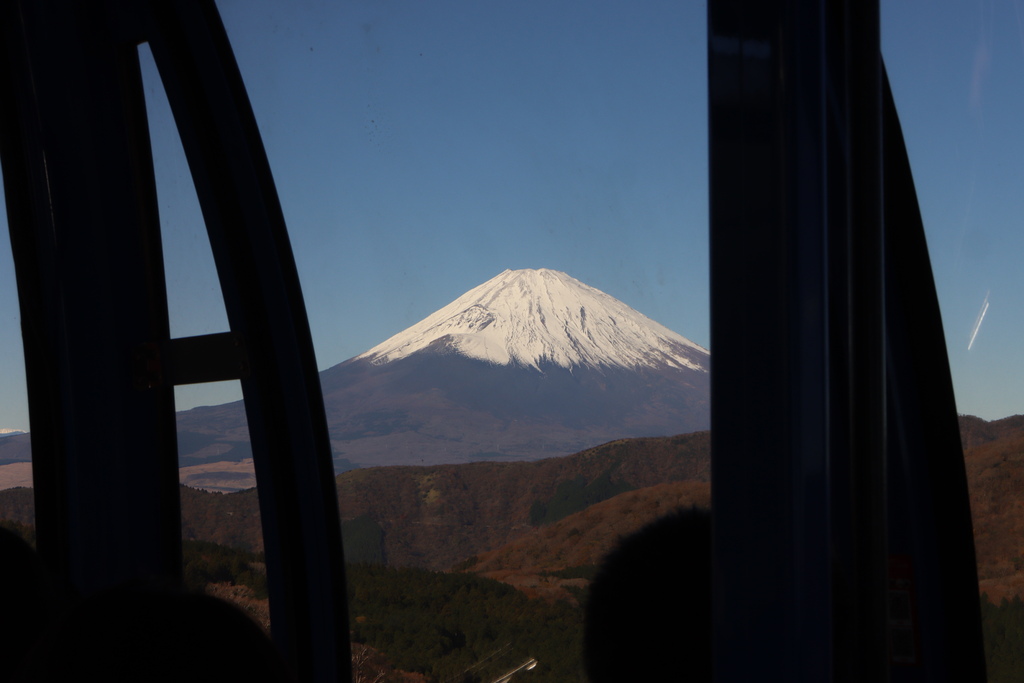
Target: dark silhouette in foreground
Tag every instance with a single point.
(649, 610)
(28, 600)
(134, 632)
(152, 633)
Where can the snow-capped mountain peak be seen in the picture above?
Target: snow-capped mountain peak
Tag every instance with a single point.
(532, 318)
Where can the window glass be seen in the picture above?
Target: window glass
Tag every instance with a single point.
(195, 305)
(957, 71)
(16, 509)
(419, 150)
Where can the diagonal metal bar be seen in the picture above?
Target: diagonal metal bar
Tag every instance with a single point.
(288, 428)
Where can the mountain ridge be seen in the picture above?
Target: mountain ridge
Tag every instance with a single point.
(530, 364)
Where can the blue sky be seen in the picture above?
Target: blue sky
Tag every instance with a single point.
(957, 72)
(420, 148)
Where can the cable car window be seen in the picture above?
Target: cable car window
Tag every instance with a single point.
(557, 156)
(15, 446)
(956, 76)
(421, 151)
(529, 167)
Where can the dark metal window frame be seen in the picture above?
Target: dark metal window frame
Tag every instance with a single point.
(837, 466)
(100, 363)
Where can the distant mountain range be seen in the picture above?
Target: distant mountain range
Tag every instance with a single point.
(530, 364)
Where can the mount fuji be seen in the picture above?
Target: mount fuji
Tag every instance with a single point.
(530, 364)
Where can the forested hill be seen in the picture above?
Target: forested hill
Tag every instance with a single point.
(435, 517)
(995, 476)
(975, 431)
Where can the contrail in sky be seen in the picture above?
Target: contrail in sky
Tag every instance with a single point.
(977, 323)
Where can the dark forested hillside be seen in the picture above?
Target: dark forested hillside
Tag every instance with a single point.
(995, 476)
(435, 517)
(1003, 626)
(554, 561)
(461, 627)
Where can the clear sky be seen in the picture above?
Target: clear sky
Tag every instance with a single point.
(957, 73)
(420, 148)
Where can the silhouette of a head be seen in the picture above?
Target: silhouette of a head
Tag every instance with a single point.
(648, 614)
(151, 633)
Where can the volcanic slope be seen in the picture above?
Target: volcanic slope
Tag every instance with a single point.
(530, 364)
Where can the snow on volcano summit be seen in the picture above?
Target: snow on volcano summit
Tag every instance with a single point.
(531, 318)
